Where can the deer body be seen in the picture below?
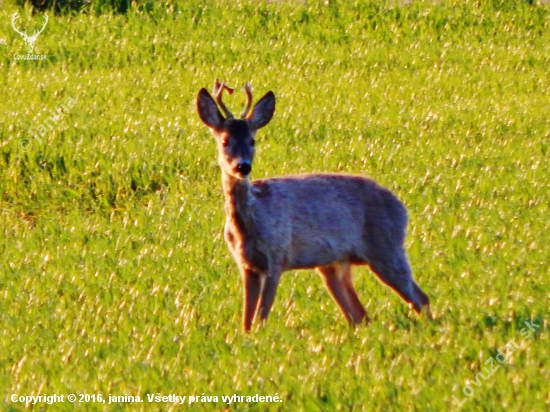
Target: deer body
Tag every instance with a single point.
(299, 233)
(323, 221)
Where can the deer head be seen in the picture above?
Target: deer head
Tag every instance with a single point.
(29, 40)
(234, 137)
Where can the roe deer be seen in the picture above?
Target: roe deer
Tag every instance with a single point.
(324, 221)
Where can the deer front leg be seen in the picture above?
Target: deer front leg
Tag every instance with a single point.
(252, 290)
(268, 294)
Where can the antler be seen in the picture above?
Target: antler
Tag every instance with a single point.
(37, 32)
(217, 92)
(13, 20)
(248, 91)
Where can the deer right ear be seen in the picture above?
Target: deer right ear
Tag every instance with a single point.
(208, 110)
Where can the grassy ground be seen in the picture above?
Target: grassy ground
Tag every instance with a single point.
(115, 279)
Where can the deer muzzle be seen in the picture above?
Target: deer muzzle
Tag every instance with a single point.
(243, 168)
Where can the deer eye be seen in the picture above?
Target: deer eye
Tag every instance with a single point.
(225, 142)
(253, 142)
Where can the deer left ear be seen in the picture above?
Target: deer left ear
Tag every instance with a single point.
(208, 110)
(263, 111)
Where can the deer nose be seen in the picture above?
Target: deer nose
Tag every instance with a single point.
(244, 168)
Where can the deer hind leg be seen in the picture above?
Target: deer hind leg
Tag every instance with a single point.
(394, 271)
(354, 299)
(337, 279)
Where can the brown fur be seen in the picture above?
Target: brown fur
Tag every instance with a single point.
(323, 221)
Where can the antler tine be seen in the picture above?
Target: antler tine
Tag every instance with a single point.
(218, 91)
(216, 87)
(248, 91)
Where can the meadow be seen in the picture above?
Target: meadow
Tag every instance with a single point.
(114, 275)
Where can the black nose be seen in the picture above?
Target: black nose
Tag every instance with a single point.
(244, 168)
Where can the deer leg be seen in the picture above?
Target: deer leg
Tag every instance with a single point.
(252, 289)
(396, 273)
(268, 294)
(353, 298)
(338, 282)
(424, 299)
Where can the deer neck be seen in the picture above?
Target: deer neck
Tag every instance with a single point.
(237, 201)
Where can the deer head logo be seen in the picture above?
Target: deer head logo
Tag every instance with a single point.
(29, 40)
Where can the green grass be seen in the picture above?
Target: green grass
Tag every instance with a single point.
(114, 276)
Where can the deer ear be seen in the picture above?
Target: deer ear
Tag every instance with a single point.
(208, 110)
(263, 111)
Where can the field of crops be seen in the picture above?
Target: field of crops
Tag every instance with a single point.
(114, 275)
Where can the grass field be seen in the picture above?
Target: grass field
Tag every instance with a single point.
(115, 278)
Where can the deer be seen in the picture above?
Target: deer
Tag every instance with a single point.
(29, 40)
(324, 221)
